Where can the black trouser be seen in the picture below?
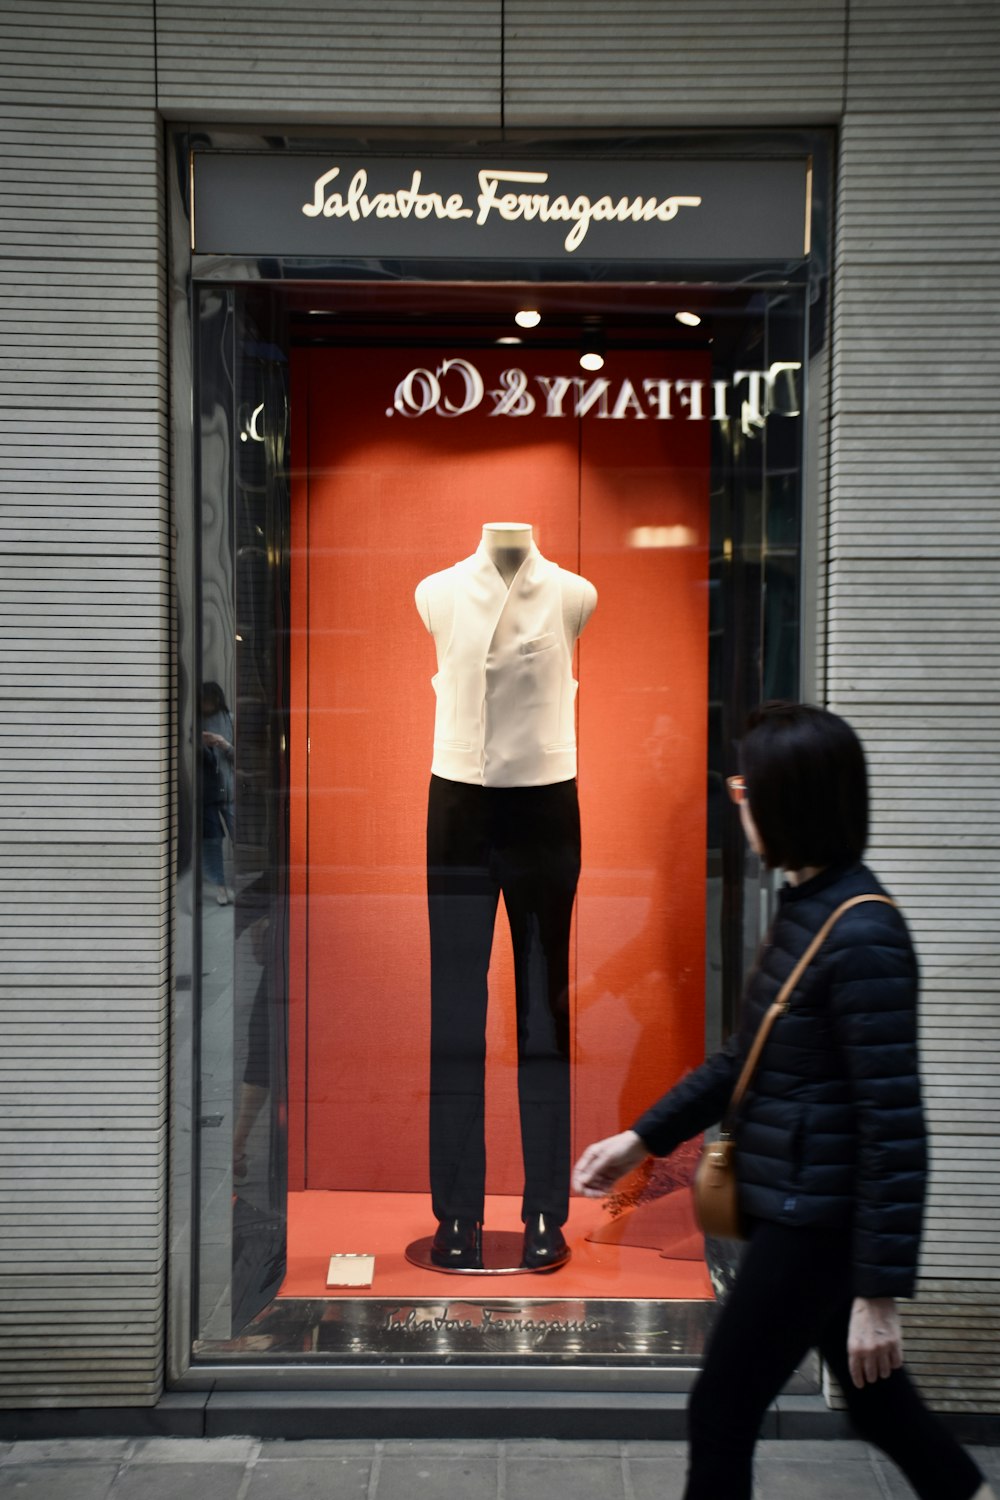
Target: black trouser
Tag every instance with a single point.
(792, 1293)
(525, 842)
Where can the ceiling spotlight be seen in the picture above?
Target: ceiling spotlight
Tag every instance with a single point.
(689, 319)
(511, 339)
(592, 346)
(527, 318)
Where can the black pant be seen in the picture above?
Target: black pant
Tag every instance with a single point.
(792, 1293)
(525, 842)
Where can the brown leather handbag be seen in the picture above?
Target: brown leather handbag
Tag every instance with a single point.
(715, 1190)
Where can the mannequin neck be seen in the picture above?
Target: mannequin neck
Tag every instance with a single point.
(507, 544)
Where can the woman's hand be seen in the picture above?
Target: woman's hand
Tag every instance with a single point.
(874, 1340)
(601, 1165)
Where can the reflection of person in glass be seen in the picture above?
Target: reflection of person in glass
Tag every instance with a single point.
(830, 1147)
(502, 818)
(256, 1080)
(217, 784)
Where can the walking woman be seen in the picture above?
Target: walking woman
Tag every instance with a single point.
(831, 1154)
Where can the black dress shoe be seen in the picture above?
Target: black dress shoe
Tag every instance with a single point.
(544, 1244)
(458, 1245)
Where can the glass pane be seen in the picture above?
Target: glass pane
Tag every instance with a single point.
(244, 750)
(466, 913)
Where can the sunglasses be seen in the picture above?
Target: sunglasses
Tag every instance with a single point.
(737, 788)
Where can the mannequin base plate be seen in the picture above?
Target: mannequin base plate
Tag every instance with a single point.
(501, 1257)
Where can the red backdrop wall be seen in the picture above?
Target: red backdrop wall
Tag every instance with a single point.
(378, 502)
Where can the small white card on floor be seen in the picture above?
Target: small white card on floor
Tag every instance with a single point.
(351, 1270)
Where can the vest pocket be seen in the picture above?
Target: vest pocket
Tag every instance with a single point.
(539, 643)
(565, 724)
(446, 717)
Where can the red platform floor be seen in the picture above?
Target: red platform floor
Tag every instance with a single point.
(321, 1224)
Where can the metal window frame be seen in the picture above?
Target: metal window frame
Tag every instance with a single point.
(185, 272)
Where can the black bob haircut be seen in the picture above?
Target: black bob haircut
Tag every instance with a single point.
(807, 785)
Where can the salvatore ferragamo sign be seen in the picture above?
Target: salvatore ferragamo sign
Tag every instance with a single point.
(459, 208)
(510, 195)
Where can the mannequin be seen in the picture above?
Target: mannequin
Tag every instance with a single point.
(502, 818)
(507, 544)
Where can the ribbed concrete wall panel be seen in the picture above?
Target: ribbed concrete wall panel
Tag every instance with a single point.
(62, 52)
(101, 1360)
(920, 189)
(915, 367)
(422, 64)
(914, 621)
(954, 1340)
(940, 55)
(84, 738)
(649, 63)
(67, 190)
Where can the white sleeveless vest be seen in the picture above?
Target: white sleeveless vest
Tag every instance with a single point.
(505, 687)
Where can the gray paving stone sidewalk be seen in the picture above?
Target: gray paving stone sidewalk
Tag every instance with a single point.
(249, 1469)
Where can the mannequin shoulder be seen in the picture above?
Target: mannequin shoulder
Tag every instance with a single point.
(434, 597)
(579, 598)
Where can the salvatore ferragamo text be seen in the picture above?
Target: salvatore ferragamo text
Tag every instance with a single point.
(496, 199)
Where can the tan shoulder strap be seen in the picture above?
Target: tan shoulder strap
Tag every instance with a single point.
(780, 1005)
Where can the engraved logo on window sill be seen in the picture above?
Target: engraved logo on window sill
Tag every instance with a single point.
(416, 1321)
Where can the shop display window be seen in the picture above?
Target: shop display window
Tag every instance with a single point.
(479, 627)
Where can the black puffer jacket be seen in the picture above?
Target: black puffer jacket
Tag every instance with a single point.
(831, 1130)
